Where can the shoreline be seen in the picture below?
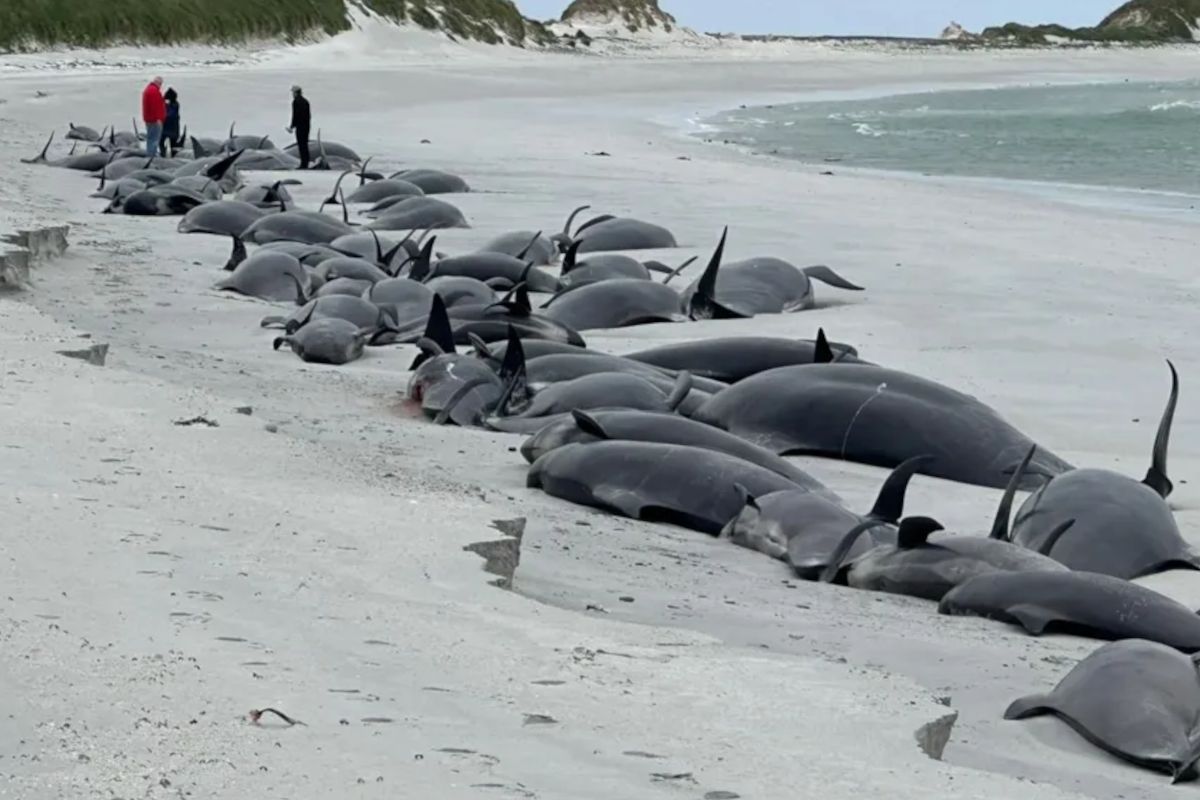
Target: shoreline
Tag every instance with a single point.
(1094, 195)
(336, 548)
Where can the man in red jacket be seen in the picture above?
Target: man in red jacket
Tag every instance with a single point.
(154, 114)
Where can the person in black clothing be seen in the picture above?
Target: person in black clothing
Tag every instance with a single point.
(301, 124)
(170, 135)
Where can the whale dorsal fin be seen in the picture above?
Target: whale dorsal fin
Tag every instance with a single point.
(1156, 478)
(438, 328)
(915, 531)
(703, 303)
(515, 397)
(569, 259)
(439, 334)
(1000, 526)
(422, 265)
(889, 506)
(822, 352)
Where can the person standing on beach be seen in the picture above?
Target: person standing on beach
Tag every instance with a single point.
(154, 114)
(301, 124)
(170, 134)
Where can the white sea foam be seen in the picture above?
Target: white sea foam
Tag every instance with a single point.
(1174, 104)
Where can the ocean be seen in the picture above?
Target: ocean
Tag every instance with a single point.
(1142, 136)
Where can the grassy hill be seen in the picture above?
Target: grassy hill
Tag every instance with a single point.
(1162, 19)
(97, 23)
(1138, 21)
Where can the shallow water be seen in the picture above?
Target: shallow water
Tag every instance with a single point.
(1130, 135)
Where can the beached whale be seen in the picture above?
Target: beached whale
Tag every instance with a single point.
(157, 201)
(327, 341)
(525, 245)
(598, 390)
(451, 386)
(273, 196)
(804, 526)
(495, 269)
(308, 227)
(732, 359)
(615, 303)
(433, 181)
(878, 416)
(1136, 699)
(319, 145)
(607, 232)
(419, 212)
(1080, 603)
(375, 191)
(687, 486)
(221, 218)
(915, 566)
(268, 275)
(623, 424)
(1123, 527)
(761, 286)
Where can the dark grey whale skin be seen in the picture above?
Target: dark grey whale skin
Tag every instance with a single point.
(877, 416)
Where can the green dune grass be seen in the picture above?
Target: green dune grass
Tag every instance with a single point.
(96, 23)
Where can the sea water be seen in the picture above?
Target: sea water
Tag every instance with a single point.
(1143, 136)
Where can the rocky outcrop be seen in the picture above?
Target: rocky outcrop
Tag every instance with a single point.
(633, 15)
(957, 33)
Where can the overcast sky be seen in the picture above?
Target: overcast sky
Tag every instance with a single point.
(844, 17)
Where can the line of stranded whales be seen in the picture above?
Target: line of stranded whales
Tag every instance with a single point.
(695, 434)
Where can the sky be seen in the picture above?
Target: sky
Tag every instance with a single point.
(848, 17)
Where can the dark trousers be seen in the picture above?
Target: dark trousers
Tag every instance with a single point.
(302, 146)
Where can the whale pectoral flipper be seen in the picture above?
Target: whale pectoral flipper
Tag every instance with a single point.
(1033, 619)
(1185, 769)
(1054, 536)
(622, 500)
(588, 424)
(834, 568)
(1031, 706)
(825, 275)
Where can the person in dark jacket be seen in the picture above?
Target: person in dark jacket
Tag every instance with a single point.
(170, 135)
(301, 124)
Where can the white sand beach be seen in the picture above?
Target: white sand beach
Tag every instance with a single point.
(158, 581)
